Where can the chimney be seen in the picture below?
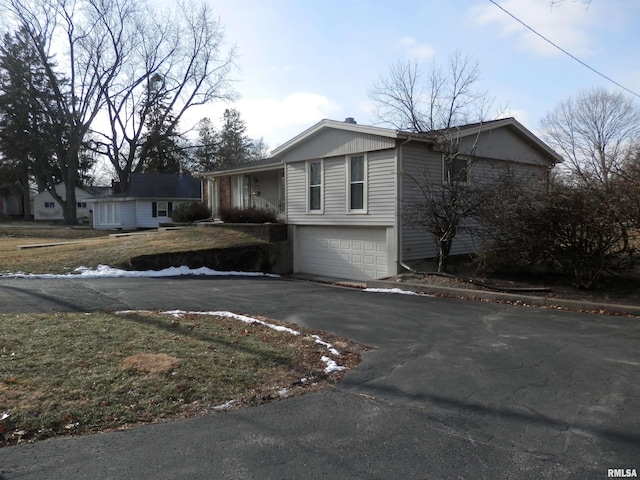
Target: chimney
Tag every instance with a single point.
(350, 120)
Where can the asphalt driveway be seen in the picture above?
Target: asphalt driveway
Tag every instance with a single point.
(450, 389)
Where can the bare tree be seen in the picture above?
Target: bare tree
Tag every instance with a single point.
(593, 131)
(435, 105)
(408, 99)
(76, 42)
(99, 57)
(185, 47)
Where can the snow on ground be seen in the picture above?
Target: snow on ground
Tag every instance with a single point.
(235, 316)
(331, 365)
(104, 271)
(390, 290)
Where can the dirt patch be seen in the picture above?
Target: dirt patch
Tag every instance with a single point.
(151, 362)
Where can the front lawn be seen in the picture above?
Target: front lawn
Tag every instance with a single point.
(74, 373)
(100, 249)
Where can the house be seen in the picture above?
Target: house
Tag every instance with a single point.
(47, 208)
(342, 188)
(148, 202)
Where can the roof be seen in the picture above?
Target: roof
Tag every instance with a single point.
(256, 165)
(431, 136)
(159, 185)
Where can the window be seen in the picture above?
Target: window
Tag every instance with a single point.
(109, 213)
(357, 183)
(314, 175)
(161, 209)
(82, 204)
(456, 169)
(49, 204)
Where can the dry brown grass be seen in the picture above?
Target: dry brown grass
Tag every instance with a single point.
(100, 249)
(151, 362)
(75, 373)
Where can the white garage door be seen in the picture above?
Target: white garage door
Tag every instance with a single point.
(352, 253)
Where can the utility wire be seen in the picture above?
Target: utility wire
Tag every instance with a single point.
(563, 50)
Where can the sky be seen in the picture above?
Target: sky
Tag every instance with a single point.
(301, 61)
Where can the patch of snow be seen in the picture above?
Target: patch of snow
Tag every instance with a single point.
(283, 392)
(390, 290)
(226, 405)
(235, 316)
(326, 344)
(331, 365)
(104, 271)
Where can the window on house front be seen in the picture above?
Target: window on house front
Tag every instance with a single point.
(357, 183)
(109, 213)
(161, 209)
(456, 169)
(315, 185)
(82, 204)
(49, 204)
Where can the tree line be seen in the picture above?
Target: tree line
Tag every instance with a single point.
(82, 80)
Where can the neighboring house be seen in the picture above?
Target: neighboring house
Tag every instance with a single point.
(47, 208)
(346, 187)
(148, 202)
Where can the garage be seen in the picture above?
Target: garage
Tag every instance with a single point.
(356, 253)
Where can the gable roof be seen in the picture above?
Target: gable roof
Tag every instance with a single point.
(323, 124)
(473, 129)
(430, 137)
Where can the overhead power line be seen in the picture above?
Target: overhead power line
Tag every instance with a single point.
(563, 50)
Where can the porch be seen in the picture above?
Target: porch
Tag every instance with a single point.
(258, 184)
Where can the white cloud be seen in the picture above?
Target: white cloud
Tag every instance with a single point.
(414, 49)
(278, 120)
(520, 115)
(569, 26)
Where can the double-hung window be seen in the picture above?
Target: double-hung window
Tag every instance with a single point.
(357, 184)
(161, 209)
(456, 169)
(314, 176)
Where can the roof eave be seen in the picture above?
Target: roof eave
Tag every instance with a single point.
(238, 171)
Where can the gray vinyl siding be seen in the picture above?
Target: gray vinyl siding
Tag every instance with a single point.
(425, 165)
(418, 164)
(504, 144)
(333, 142)
(381, 192)
(128, 214)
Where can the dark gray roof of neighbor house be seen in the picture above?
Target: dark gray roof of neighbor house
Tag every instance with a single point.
(162, 185)
(98, 191)
(159, 186)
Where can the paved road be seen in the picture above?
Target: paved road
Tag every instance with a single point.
(451, 389)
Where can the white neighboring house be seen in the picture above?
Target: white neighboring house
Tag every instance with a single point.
(148, 202)
(46, 208)
(343, 188)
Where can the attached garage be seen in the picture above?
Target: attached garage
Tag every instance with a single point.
(357, 253)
